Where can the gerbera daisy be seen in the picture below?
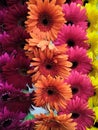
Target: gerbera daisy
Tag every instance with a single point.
(17, 69)
(12, 98)
(80, 61)
(78, 87)
(53, 62)
(2, 23)
(46, 17)
(72, 36)
(38, 41)
(56, 2)
(81, 113)
(52, 91)
(12, 2)
(70, 11)
(27, 125)
(93, 44)
(15, 17)
(76, 1)
(54, 122)
(92, 19)
(10, 120)
(17, 42)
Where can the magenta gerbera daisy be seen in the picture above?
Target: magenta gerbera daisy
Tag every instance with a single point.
(82, 89)
(15, 17)
(10, 120)
(70, 11)
(27, 125)
(76, 1)
(81, 62)
(15, 71)
(81, 113)
(12, 98)
(72, 36)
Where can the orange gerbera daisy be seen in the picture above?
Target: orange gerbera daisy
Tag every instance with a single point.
(46, 17)
(53, 62)
(52, 91)
(57, 2)
(54, 122)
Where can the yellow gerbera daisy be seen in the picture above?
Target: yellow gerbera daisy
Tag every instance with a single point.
(92, 14)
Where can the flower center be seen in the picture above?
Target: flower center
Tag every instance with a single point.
(7, 123)
(3, 3)
(21, 22)
(74, 64)
(75, 115)
(23, 71)
(5, 97)
(69, 22)
(70, 43)
(48, 66)
(45, 21)
(50, 92)
(88, 23)
(74, 90)
(68, 1)
(85, 1)
(96, 124)
(2, 27)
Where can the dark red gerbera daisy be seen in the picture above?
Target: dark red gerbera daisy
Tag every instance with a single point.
(10, 120)
(15, 71)
(12, 2)
(14, 99)
(15, 17)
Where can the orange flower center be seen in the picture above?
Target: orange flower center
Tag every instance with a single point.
(48, 66)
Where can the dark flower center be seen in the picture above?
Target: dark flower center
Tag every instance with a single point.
(21, 22)
(45, 21)
(5, 97)
(69, 22)
(68, 1)
(70, 43)
(74, 90)
(48, 66)
(85, 1)
(7, 123)
(96, 124)
(75, 115)
(74, 64)
(88, 23)
(3, 3)
(23, 71)
(2, 27)
(50, 92)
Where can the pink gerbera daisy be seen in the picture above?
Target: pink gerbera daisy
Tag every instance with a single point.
(10, 120)
(13, 98)
(72, 36)
(81, 62)
(15, 17)
(70, 11)
(81, 113)
(82, 89)
(76, 1)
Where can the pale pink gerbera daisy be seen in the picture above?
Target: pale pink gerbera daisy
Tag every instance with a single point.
(81, 113)
(81, 62)
(75, 14)
(72, 36)
(82, 89)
